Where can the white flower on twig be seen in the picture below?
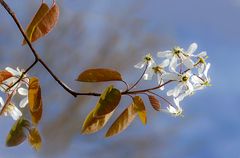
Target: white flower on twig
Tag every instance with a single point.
(9, 109)
(149, 62)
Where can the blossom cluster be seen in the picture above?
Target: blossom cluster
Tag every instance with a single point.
(185, 68)
(14, 83)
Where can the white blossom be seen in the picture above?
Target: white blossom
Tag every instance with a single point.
(184, 85)
(10, 110)
(10, 81)
(159, 70)
(147, 60)
(173, 55)
(24, 101)
(201, 80)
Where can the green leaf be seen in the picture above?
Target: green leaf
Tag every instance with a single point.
(140, 108)
(154, 102)
(35, 99)
(99, 75)
(34, 139)
(17, 135)
(36, 19)
(108, 101)
(123, 121)
(93, 124)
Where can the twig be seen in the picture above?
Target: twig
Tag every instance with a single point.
(61, 83)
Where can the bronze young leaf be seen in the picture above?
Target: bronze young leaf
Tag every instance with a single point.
(36, 19)
(123, 121)
(17, 134)
(108, 101)
(34, 139)
(154, 102)
(140, 108)
(4, 75)
(99, 75)
(35, 99)
(93, 124)
(43, 22)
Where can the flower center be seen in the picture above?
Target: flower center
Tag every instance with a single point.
(185, 78)
(157, 69)
(148, 57)
(177, 51)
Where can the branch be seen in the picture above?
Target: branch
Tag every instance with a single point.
(61, 83)
(34, 52)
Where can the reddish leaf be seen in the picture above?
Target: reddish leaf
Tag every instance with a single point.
(43, 22)
(42, 11)
(154, 102)
(99, 75)
(4, 75)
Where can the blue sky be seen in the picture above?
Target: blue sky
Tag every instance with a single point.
(210, 127)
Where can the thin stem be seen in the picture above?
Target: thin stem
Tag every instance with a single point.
(139, 78)
(145, 90)
(127, 87)
(161, 98)
(23, 73)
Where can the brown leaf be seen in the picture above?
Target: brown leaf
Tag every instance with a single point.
(140, 108)
(4, 75)
(154, 102)
(36, 116)
(108, 101)
(35, 99)
(93, 124)
(42, 11)
(43, 25)
(34, 139)
(17, 135)
(99, 75)
(123, 121)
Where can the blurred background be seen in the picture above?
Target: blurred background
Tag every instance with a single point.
(116, 34)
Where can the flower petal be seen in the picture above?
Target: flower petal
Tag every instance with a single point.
(1, 101)
(178, 89)
(22, 91)
(196, 80)
(164, 54)
(202, 54)
(160, 81)
(12, 71)
(206, 69)
(173, 64)
(165, 63)
(192, 48)
(170, 76)
(23, 102)
(140, 65)
(14, 112)
(188, 63)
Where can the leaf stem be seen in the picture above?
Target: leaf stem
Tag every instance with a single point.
(139, 78)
